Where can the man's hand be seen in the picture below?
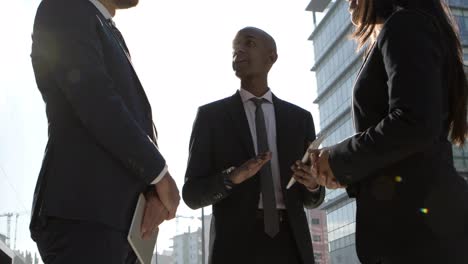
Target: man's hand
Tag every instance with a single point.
(321, 169)
(303, 174)
(168, 194)
(249, 168)
(155, 213)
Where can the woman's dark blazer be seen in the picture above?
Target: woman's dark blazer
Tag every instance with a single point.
(411, 202)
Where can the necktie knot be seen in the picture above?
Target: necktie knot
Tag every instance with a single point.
(258, 101)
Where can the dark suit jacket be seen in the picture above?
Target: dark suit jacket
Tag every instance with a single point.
(101, 151)
(221, 139)
(400, 162)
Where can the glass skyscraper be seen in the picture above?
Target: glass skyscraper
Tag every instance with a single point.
(336, 64)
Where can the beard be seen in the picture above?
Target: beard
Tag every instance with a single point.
(124, 4)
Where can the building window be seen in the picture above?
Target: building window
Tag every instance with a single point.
(315, 221)
(317, 256)
(316, 238)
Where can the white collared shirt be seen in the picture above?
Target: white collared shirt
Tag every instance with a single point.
(107, 15)
(102, 9)
(270, 120)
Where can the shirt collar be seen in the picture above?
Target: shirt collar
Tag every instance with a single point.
(246, 95)
(107, 15)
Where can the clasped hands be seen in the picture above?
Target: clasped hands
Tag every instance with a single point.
(161, 205)
(316, 171)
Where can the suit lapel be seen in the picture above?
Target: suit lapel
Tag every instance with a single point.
(364, 63)
(282, 134)
(236, 111)
(366, 59)
(106, 28)
(110, 31)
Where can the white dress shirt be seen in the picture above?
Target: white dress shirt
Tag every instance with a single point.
(107, 15)
(270, 120)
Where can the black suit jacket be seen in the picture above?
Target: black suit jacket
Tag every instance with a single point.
(221, 139)
(101, 152)
(400, 162)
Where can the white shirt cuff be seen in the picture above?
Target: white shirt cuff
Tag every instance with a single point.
(160, 176)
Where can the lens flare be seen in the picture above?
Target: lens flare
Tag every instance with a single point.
(424, 210)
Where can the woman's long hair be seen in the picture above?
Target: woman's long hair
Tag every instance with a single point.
(370, 12)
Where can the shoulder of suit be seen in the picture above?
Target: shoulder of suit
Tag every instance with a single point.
(407, 20)
(74, 11)
(292, 107)
(216, 105)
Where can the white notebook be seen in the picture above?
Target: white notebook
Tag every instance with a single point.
(143, 248)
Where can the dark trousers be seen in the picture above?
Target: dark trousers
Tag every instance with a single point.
(63, 241)
(281, 249)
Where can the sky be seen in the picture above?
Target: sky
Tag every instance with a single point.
(182, 53)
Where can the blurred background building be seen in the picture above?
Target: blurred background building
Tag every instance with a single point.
(317, 220)
(187, 248)
(336, 63)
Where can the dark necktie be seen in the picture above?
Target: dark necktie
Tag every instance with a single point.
(118, 35)
(270, 213)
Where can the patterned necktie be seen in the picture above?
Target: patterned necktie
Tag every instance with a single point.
(270, 213)
(118, 35)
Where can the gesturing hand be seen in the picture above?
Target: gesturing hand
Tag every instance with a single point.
(303, 174)
(155, 213)
(168, 194)
(249, 168)
(321, 169)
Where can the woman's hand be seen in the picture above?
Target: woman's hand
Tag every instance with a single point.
(321, 170)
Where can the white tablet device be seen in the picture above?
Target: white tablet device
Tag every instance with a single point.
(143, 248)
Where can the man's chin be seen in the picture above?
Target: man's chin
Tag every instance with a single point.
(124, 4)
(240, 74)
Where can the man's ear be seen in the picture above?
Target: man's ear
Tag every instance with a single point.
(273, 57)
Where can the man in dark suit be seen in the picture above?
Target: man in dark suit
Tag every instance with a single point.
(102, 148)
(255, 218)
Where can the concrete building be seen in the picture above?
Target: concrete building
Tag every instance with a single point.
(335, 65)
(165, 258)
(187, 248)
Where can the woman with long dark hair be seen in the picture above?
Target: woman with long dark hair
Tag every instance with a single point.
(409, 106)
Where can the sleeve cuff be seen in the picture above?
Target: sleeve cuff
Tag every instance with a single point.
(160, 176)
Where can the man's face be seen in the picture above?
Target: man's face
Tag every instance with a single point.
(252, 56)
(124, 4)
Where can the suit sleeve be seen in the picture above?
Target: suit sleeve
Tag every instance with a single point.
(203, 186)
(411, 53)
(311, 199)
(67, 49)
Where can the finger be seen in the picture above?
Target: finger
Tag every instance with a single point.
(332, 183)
(299, 165)
(322, 179)
(148, 235)
(148, 217)
(304, 169)
(313, 154)
(313, 151)
(171, 214)
(303, 174)
(299, 179)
